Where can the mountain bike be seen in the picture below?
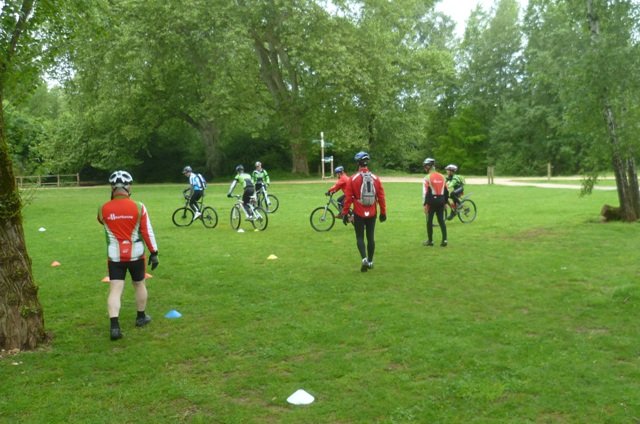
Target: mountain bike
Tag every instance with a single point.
(266, 201)
(466, 210)
(323, 218)
(183, 217)
(258, 218)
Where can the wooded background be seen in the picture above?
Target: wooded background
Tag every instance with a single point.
(152, 85)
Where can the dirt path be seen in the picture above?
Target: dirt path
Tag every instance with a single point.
(519, 182)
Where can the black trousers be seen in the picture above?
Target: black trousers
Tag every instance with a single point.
(438, 211)
(193, 201)
(365, 226)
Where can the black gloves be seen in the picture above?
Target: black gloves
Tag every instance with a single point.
(153, 260)
(328, 193)
(383, 217)
(229, 195)
(345, 219)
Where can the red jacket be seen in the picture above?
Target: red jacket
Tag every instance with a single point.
(435, 182)
(340, 184)
(352, 196)
(128, 229)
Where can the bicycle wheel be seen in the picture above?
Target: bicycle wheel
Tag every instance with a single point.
(209, 217)
(261, 219)
(182, 217)
(272, 205)
(467, 211)
(236, 217)
(322, 219)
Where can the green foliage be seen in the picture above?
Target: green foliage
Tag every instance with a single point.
(485, 336)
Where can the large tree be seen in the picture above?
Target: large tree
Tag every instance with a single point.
(25, 27)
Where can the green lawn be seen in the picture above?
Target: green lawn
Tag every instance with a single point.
(530, 315)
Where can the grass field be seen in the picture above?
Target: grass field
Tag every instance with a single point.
(531, 315)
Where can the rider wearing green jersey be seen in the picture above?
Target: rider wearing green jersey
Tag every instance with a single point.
(260, 177)
(243, 179)
(455, 184)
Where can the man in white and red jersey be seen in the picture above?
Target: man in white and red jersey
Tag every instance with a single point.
(434, 197)
(364, 211)
(128, 230)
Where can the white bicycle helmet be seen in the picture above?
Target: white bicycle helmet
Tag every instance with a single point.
(429, 161)
(258, 164)
(451, 167)
(120, 179)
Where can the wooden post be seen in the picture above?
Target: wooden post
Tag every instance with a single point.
(548, 170)
(490, 174)
(78, 180)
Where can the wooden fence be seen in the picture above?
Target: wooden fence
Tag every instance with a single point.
(59, 180)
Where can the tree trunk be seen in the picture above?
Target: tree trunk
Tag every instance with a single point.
(211, 138)
(624, 167)
(21, 316)
(299, 147)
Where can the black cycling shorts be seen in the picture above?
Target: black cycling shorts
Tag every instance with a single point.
(118, 270)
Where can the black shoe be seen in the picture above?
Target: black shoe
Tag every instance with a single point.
(443, 244)
(365, 265)
(116, 333)
(428, 243)
(141, 322)
(451, 216)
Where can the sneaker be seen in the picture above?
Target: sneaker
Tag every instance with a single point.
(451, 216)
(370, 265)
(251, 218)
(116, 333)
(365, 265)
(196, 215)
(427, 243)
(141, 322)
(444, 243)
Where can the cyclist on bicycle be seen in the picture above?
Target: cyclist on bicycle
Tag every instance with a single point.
(247, 184)
(455, 184)
(260, 177)
(343, 180)
(196, 190)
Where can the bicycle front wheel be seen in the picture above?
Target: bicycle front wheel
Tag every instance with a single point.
(236, 217)
(261, 219)
(322, 219)
(467, 211)
(182, 217)
(272, 204)
(209, 217)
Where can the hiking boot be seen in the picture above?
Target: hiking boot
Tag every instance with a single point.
(444, 243)
(365, 265)
(141, 322)
(116, 333)
(427, 243)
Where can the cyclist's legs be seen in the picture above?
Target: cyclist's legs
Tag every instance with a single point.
(246, 199)
(439, 212)
(455, 195)
(358, 225)
(430, 223)
(193, 200)
(370, 227)
(340, 203)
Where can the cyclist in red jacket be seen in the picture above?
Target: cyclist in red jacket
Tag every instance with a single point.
(343, 180)
(434, 197)
(365, 192)
(128, 229)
